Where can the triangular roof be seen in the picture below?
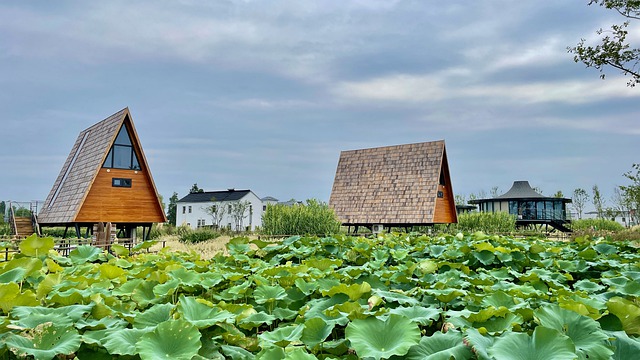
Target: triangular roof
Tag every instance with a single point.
(520, 189)
(226, 195)
(394, 185)
(83, 165)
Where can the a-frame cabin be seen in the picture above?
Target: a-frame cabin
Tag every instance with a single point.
(394, 186)
(105, 179)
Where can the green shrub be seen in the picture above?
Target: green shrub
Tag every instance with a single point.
(199, 235)
(314, 218)
(56, 232)
(488, 222)
(596, 225)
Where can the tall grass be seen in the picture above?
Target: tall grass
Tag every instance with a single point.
(489, 222)
(313, 218)
(596, 225)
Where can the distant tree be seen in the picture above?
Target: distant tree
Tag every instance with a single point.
(558, 194)
(495, 191)
(614, 51)
(3, 208)
(598, 201)
(460, 199)
(195, 189)
(482, 194)
(173, 206)
(238, 211)
(631, 193)
(579, 199)
(216, 211)
(537, 189)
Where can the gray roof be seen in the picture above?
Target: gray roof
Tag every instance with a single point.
(519, 190)
(80, 169)
(228, 195)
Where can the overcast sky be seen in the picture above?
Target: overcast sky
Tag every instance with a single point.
(264, 95)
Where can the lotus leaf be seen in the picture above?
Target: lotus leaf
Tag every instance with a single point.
(201, 315)
(13, 275)
(84, 253)
(627, 312)
(45, 341)
(10, 296)
(354, 291)
(422, 315)
(152, 317)
(440, 346)
(282, 336)
(236, 352)
(586, 334)
(123, 341)
(269, 294)
(256, 320)
(36, 246)
(372, 337)
(173, 339)
(545, 343)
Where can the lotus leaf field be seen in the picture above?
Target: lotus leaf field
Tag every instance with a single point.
(396, 296)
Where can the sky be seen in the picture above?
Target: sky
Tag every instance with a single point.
(264, 95)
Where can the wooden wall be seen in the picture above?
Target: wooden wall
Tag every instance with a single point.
(445, 208)
(105, 203)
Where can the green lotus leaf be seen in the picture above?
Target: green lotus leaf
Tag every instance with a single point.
(271, 353)
(440, 346)
(424, 316)
(624, 347)
(47, 284)
(323, 264)
(186, 277)
(284, 313)
(13, 275)
(269, 294)
(33, 320)
(30, 266)
(255, 320)
(545, 343)
(201, 315)
(45, 341)
(586, 334)
(95, 337)
(166, 289)
(485, 256)
(446, 295)
(236, 352)
(84, 253)
(427, 266)
(282, 336)
(144, 245)
(501, 299)
(155, 315)
(111, 272)
(93, 353)
(437, 250)
(123, 341)
(479, 343)
(69, 297)
(396, 296)
(119, 250)
(102, 323)
(173, 339)
(315, 331)
(627, 312)
(210, 280)
(298, 354)
(354, 291)
(143, 294)
(307, 288)
(35, 246)
(379, 339)
(605, 249)
(10, 296)
(589, 286)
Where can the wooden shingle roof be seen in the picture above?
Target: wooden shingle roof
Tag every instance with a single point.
(81, 168)
(390, 185)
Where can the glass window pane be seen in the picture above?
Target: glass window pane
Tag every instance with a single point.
(121, 157)
(135, 165)
(108, 161)
(123, 137)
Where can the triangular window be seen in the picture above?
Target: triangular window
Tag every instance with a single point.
(122, 154)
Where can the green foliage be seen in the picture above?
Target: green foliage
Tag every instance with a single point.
(314, 217)
(411, 296)
(172, 209)
(596, 224)
(490, 222)
(614, 50)
(198, 235)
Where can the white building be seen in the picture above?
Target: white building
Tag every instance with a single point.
(192, 209)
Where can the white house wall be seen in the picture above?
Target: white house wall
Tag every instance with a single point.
(192, 213)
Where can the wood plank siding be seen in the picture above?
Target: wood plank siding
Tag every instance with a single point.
(106, 203)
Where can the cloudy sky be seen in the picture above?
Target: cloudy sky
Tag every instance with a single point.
(265, 94)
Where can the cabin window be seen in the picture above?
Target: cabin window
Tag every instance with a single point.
(184, 209)
(189, 209)
(440, 194)
(120, 182)
(122, 155)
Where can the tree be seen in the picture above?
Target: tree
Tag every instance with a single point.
(216, 211)
(631, 193)
(3, 208)
(173, 206)
(558, 194)
(460, 199)
(195, 189)
(495, 191)
(598, 201)
(580, 197)
(614, 50)
(238, 211)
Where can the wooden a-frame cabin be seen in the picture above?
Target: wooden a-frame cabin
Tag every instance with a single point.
(394, 186)
(105, 179)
